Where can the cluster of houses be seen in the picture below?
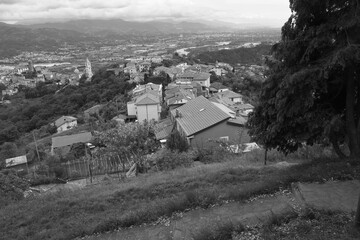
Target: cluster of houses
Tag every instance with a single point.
(29, 75)
(198, 109)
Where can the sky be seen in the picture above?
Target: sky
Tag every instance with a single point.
(257, 12)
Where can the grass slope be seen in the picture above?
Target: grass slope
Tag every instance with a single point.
(109, 206)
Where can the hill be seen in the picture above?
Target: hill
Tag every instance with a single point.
(98, 27)
(15, 38)
(236, 56)
(28, 114)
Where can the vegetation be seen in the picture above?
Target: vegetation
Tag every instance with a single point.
(312, 224)
(313, 87)
(253, 55)
(26, 115)
(110, 205)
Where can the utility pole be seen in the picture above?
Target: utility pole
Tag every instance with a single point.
(36, 146)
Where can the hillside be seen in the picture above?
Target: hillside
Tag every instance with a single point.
(33, 113)
(117, 26)
(14, 39)
(234, 56)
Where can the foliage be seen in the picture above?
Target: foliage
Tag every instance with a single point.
(176, 142)
(166, 159)
(127, 203)
(126, 141)
(240, 55)
(11, 187)
(313, 78)
(27, 115)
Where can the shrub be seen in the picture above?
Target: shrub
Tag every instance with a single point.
(177, 142)
(212, 153)
(166, 159)
(11, 187)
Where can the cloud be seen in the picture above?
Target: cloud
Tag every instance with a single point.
(225, 10)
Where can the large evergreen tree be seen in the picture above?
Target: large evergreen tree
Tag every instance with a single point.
(313, 86)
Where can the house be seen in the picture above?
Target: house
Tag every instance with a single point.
(218, 87)
(163, 130)
(200, 120)
(62, 144)
(65, 123)
(177, 96)
(232, 96)
(19, 163)
(245, 109)
(144, 66)
(146, 102)
(148, 107)
(202, 78)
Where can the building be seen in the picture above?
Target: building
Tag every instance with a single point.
(62, 144)
(88, 72)
(200, 121)
(146, 102)
(19, 163)
(202, 78)
(148, 107)
(65, 123)
(232, 96)
(144, 66)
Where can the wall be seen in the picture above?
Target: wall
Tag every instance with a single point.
(236, 133)
(148, 112)
(131, 109)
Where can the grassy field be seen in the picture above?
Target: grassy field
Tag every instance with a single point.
(113, 204)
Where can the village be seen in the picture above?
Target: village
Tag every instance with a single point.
(198, 109)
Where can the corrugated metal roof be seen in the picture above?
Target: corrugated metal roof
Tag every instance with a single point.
(147, 99)
(68, 140)
(198, 114)
(10, 162)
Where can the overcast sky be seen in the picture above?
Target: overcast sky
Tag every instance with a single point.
(263, 12)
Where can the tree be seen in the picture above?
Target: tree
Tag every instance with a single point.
(177, 142)
(313, 78)
(131, 140)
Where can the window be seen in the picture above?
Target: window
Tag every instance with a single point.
(224, 139)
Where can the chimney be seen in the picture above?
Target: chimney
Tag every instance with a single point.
(177, 114)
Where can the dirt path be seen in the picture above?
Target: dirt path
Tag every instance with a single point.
(189, 224)
(336, 196)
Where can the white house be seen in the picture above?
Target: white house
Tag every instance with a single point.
(148, 107)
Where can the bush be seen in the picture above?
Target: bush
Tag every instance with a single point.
(166, 159)
(176, 142)
(11, 187)
(212, 153)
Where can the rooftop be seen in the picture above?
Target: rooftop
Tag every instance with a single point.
(68, 140)
(198, 114)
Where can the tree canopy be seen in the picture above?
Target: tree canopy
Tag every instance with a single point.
(313, 86)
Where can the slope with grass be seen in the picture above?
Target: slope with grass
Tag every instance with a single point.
(111, 205)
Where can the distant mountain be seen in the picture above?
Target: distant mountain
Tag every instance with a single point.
(16, 38)
(118, 26)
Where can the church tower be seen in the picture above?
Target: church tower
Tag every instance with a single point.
(88, 71)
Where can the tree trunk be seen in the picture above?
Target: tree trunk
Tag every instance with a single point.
(351, 127)
(357, 216)
(336, 148)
